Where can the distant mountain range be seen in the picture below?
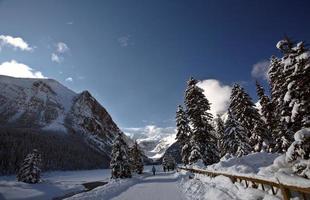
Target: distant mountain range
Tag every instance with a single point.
(154, 141)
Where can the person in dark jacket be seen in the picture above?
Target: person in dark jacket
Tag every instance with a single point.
(153, 170)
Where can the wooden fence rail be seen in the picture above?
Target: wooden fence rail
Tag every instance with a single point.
(286, 190)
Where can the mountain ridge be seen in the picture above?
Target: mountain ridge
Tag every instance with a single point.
(45, 105)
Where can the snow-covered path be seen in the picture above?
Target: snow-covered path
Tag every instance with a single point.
(162, 186)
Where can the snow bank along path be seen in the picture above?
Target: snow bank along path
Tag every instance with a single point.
(285, 189)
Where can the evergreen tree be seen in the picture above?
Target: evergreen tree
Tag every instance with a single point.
(268, 114)
(289, 78)
(120, 164)
(244, 109)
(136, 159)
(169, 162)
(183, 133)
(276, 79)
(258, 139)
(30, 171)
(220, 129)
(235, 141)
(202, 141)
(185, 152)
(183, 129)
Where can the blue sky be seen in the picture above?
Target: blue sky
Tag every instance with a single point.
(135, 56)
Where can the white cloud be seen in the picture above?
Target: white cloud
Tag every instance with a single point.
(217, 94)
(69, 79)
(15, 42)
(15, 69)
(62, 47)
(124, 41)
(260, 69)
(69, 23)
(56, 58)
(149, 131)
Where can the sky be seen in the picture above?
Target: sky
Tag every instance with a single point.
(136, 56)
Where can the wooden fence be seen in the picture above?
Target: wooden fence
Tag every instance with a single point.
(286, 190)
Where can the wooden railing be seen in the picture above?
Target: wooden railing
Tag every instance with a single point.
(286, 190)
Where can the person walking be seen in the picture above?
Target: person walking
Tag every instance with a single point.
(153, 170)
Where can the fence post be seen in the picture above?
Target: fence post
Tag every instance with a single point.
(285, 192)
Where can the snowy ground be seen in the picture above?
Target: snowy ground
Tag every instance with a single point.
(202, 187)
(170, 185)
(55, 184)
(162, 186)
(270, 166)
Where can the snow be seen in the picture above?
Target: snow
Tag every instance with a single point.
(173, 186)
(162, 146)
(269, 166)
(295, 110)
(161, 186)
(23, 90)
(142, 187)
(55, 184)
(170, 185)
(303, 56)
(220, 188)
(281, 43)
(302, 134)
(153, 140)
(249, 164)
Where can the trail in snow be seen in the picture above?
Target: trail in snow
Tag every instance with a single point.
(159, 187)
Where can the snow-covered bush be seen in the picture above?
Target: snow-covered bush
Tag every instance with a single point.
(30, 171)
(298, 154)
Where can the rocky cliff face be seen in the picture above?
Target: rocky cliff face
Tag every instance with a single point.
(89, 118)
(45, 104)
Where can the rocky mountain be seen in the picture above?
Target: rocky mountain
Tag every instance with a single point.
(45, 105)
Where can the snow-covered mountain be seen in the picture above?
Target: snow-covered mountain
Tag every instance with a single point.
(153, 140)
(45, 104)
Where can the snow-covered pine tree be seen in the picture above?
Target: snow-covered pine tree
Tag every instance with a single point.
(235, 141)
(276, 80)
(136, 159)
(259, 140)
(244, 109)
(297, 97)
(185, 152)
(120, 161)
(220, 129)
(183, 133)
(182, 126)
(202, 141)
(290, 90)
(30, 171)
(267, 112)
(169, 162)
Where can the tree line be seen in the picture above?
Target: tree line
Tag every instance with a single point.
(284, 112)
